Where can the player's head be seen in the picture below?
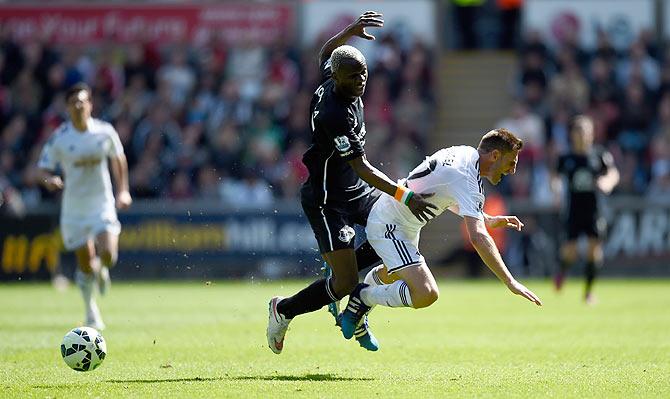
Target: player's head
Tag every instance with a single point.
(78, 101)
(498, 154)
(350, 71)
(581, 133)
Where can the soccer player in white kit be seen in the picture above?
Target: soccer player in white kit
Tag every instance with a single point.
(454, 176)
(88, 221)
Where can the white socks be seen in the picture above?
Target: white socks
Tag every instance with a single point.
(372, 278)
(86, 282)
(394, 295)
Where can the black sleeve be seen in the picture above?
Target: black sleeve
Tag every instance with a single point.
(341, 125)
(324, 71)
(560, 165)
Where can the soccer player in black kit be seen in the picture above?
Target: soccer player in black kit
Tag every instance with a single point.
(587, 169)
(341, 187)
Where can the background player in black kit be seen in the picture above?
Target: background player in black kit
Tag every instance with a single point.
(340, 190)
(587, 169)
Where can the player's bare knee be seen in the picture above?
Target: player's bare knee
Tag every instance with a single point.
(384, 276)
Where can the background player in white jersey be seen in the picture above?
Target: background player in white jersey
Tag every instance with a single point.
(89, 226)
(454, 175)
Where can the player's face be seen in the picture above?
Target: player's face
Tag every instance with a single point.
(582, 139)
(79, 106)
(503, 166)
(351, 78)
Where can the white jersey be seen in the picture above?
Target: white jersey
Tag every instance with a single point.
(82, 157)
(452, 174)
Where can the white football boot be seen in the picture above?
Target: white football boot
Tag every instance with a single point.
(277, 326)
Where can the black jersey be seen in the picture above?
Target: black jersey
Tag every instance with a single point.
(338, 136)
(581, 172)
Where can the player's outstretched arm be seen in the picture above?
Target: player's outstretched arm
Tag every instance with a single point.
(416, 202)
(120, 172)
(356, 28)
(487, 250)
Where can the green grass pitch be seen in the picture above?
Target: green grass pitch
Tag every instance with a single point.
(478, 340)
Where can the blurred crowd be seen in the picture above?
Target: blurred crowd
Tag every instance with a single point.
(627, 93)
(211, 121)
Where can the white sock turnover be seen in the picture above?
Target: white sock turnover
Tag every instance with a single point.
(394, 295)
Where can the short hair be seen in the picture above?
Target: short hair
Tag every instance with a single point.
(76, 88)
(502, 140)
(344, 53)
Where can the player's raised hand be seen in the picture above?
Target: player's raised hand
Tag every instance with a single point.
(53, 183)
(123, 200)
(511, 222)
(367, 19)
(420, 207)
(521, 290)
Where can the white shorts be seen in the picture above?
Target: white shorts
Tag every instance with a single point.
(397, 248)
(77, 231)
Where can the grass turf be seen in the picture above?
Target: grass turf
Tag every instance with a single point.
(478, 340)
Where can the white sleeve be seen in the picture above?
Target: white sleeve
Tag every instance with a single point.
(469, 197)
(49, 155)
(116, 148)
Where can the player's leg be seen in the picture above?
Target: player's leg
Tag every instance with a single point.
(593, 263)
(379, 275)
(398, 250)
(414, 287)
(313, 297)
(336, 244)
(568, 257)
(107, 243)
(85, 279)
(365, 257)
(324, 291)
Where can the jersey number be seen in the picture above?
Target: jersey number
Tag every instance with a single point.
(432, 164)
(318, 92)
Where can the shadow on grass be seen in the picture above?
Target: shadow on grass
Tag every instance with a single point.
(306, 377)
(155, 381)
(57, 386)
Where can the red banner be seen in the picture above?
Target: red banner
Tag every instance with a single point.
(80, 23)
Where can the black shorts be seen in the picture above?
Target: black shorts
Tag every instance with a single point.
(590, 224)
(333, 225)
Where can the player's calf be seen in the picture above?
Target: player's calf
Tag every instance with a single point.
(424, 296)
(108, 258)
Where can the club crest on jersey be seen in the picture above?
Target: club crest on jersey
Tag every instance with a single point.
(342, 143)
(346, 234)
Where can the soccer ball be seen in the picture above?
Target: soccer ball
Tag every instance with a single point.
(83, 349)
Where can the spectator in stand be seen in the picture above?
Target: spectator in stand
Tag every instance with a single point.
(568, 86)
(639, 65)
(201, 105)
(659, 187)
(510, 22)
(466, 12)
(527, 126)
